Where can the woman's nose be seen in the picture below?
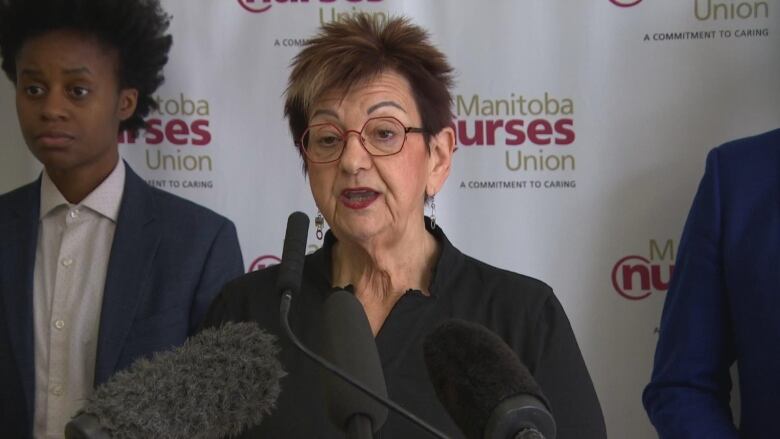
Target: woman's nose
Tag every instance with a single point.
(355, 157)
(54, 107)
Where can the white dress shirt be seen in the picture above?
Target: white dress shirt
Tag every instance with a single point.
(71, 260)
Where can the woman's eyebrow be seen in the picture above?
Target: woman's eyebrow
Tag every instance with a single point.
(78, 71)
(376, 106)
(324, 112)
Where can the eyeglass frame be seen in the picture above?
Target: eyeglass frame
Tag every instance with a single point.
(345, 134)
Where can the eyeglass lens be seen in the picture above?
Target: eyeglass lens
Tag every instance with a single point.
(380, 136)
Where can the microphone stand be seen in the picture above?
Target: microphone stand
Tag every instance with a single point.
(359, 425)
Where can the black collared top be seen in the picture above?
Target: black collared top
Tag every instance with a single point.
(523, 311)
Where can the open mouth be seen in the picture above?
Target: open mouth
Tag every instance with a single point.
(358, 198)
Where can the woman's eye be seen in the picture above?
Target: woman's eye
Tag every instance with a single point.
(328, 140)
(385, 134)
(79, 92)
(33, 90)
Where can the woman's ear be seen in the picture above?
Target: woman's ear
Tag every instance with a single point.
(128, 100)
(442, 146)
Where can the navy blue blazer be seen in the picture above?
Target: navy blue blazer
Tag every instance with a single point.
(169, 259)
(723, 303)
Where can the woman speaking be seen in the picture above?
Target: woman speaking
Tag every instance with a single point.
(369, 107)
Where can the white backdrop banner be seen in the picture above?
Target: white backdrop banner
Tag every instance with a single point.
(582, 131)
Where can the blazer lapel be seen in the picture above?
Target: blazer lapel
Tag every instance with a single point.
(132, 254)
(17, 265)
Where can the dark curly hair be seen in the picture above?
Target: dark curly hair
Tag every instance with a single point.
(135, 28)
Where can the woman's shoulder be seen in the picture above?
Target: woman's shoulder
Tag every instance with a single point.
(248, 297)
(255, 292)
(252, 282)
(475, 290)
(503, 282)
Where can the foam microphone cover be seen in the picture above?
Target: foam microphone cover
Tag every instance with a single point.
(218, 383)
(293, 253)
(473, 371)
(349, 344)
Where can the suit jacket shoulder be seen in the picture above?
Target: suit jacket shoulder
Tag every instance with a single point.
(18, 235)
(169, 259)
(752, 163)
(19, 201)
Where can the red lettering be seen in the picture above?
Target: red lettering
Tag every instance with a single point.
(515, 134)
(154, 136)
(564, 127)
(492, 126)
(658, 283)
(628, 276)
(127, 137)
(463, 135)
(539, 131)
(175, 129)
(202, 136)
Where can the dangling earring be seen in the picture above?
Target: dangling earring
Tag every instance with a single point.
(319, 223)
(433, 212)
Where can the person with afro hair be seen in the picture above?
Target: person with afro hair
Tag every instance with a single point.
(97, 268)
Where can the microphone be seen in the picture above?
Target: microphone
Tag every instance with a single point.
(349, 343)
(289, 283)
(485, 388)
(293, 254)
(220, 382)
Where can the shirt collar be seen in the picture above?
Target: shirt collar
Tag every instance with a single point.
(104, 199)
(51, 197)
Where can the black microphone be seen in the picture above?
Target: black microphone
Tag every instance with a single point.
(349, 343)
(220, 382)
(293, 254)
(484, 386)
(289, 283)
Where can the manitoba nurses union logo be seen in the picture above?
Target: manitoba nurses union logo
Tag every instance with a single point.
(625, 3)
(636, 277)
(534, 133)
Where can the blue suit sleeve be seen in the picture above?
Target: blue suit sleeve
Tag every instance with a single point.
(223, 264)
(688, 395)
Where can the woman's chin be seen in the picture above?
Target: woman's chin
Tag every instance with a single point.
(356, 234)
(359, 230)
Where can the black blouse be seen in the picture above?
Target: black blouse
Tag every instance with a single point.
(523, 311)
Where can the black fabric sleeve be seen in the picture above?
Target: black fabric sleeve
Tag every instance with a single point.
(226, 307)
(563, 376)
(214, 314)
